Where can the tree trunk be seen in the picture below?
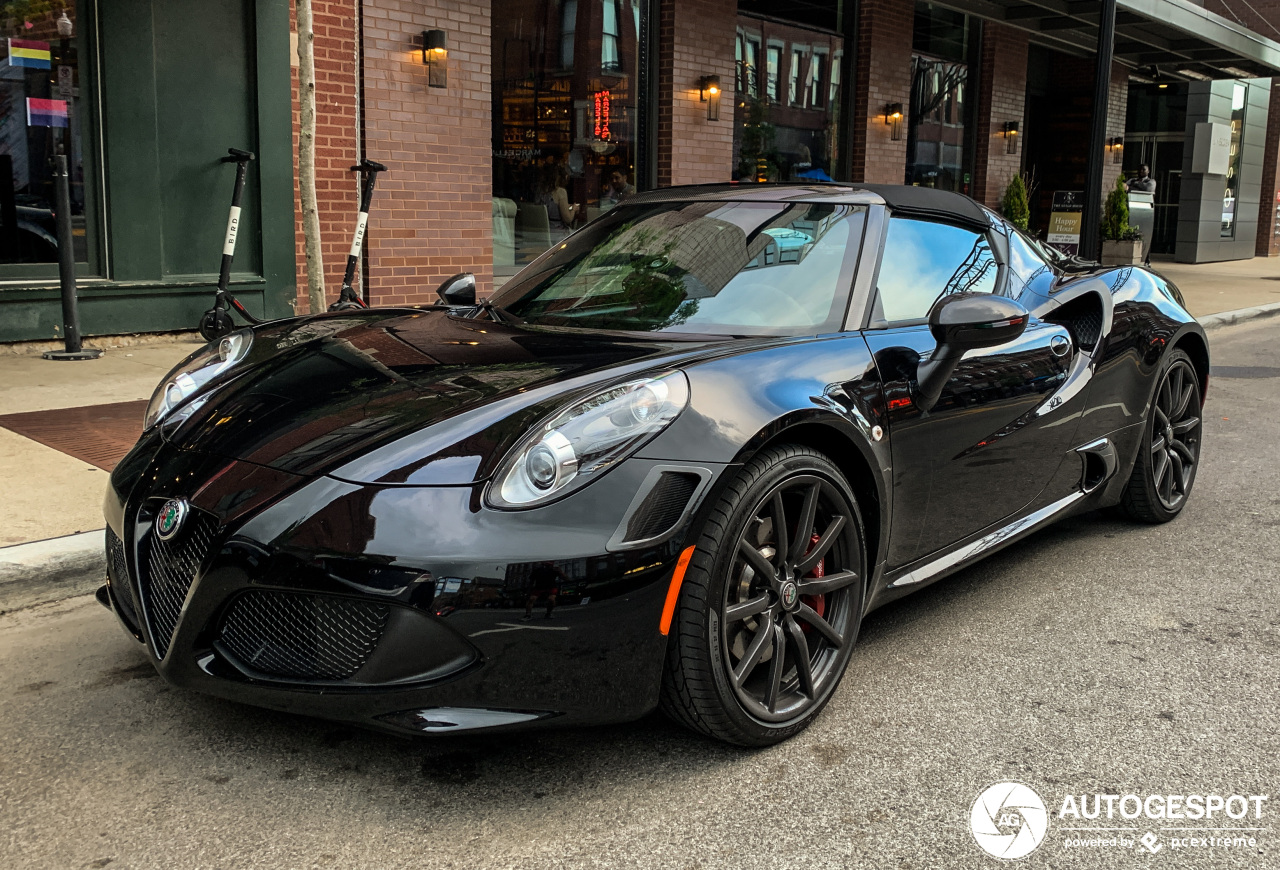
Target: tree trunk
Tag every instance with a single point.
(307, 157)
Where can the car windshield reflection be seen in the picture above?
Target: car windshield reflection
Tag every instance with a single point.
(736, 268)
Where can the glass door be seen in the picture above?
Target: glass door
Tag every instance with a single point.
(1162, 152)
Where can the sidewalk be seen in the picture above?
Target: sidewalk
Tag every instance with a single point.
(48, 495)
(1212, 288)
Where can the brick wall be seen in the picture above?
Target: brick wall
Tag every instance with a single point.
(882, 76)
(1262, 16)
(1001, 98)
(1268, 243)
(337, 131)
(696, 39)
(1117, 113)
(432, 215)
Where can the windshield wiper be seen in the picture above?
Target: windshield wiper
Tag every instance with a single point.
(497, 313)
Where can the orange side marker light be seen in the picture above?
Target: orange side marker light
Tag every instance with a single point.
(673, 593)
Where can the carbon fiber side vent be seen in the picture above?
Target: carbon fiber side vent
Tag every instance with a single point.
(663, 506)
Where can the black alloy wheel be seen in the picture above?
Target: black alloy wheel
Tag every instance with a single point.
(771, 603)
(1169, 455)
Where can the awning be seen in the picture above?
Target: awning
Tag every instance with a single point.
(1165, 39)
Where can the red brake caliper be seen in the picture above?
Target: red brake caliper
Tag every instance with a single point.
(817, 602)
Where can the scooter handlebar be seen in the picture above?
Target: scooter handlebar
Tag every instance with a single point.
(369, 166)
(235, 155)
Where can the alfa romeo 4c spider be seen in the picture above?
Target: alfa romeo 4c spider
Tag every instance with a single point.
(671, 463)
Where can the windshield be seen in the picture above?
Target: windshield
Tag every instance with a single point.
(737, 268)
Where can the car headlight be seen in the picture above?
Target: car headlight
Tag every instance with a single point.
(583, 441)
(192, 374)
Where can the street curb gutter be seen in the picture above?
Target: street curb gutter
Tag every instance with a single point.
(51, 570)
(1228, 318)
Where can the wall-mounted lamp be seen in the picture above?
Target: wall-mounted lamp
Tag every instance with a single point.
(1116, 145)
(893, 118)
(709, 93)
(435, 54)
(1010, 137)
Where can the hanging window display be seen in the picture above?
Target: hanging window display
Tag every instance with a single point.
(938, 117)
(40, 117)
(565, 102)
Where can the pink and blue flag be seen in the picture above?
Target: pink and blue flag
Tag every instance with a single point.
(46, 113)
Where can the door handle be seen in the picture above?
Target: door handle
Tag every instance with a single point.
(1060, 345)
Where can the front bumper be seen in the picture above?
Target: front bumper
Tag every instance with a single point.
(400, 608)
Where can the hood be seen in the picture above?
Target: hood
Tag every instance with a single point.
(406, 397)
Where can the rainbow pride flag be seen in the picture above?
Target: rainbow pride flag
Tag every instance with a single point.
(31, 53)
(46, 113)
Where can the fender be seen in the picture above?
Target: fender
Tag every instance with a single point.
(824, 393)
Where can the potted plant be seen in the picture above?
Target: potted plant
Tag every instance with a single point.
(1121, 243)
(1014, 203)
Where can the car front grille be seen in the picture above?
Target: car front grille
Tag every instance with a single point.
(118, 577)
(171, 567)
(300, 636)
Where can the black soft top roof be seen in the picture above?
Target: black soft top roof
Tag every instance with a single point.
(926, 201)
(901, 198)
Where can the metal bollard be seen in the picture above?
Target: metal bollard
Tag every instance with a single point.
(67, 270)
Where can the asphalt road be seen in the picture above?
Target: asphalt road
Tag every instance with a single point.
(1097, 657)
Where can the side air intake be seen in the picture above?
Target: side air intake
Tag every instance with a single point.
(663, 507)
(1099, 458)
(664, 500)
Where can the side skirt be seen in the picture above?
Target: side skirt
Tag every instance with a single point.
(907, 580)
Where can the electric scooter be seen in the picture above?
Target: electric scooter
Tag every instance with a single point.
(349, 298)
(217, 321)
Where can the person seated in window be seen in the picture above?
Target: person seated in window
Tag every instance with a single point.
(561, 213)
(617, 188)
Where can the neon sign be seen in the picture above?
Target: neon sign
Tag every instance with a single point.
(604, 103)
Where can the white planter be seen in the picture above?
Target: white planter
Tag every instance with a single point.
(1121, 253)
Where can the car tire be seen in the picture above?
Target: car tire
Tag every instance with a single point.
(1169, 453)
(723, 676)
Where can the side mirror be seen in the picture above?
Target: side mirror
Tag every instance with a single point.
(458, 290)
(963, 322)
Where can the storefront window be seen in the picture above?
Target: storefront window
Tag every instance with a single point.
(564, 119)
(609, 57)
(771, 73)
(1229, 196)
(568, 24)
(791, 136)
(41, 116)
(793, 89)
(739, 77)
(938, 115)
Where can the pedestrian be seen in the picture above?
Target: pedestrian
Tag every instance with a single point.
(1144, 183)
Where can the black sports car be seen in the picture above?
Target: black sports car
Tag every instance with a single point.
(672, 462)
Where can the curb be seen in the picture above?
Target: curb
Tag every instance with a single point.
(51, 570)
(1240, 315)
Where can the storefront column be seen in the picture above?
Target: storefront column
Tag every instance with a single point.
(1268, 241)
(695, 39)
(883, 64)
(1091, 227)
(1002, 93)
(432, 214)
